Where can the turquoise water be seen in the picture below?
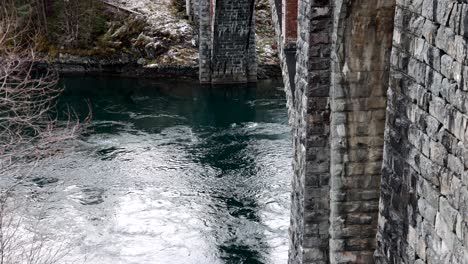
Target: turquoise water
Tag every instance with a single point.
(171, 173)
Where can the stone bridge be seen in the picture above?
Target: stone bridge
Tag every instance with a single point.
(378, 101)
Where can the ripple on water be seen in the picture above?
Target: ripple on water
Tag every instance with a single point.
(183, 181)
(44, 181)
(86, 195)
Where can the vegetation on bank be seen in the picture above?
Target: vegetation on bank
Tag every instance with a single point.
(80, 27)
(151, 32)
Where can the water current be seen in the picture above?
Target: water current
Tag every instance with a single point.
(170, 173)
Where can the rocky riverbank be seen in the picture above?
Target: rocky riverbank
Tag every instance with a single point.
(152, 38)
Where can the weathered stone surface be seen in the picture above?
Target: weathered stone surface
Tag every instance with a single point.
(354, 60)
(227, 41)
(362, 38)
(438, 169)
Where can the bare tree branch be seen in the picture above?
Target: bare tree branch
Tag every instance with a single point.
(29, 131)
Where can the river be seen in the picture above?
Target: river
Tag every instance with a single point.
(170, 173)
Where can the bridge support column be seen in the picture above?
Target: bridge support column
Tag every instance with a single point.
(422, 189)
(227, 41)
(362, 41)
(310, 200)
(205, 40)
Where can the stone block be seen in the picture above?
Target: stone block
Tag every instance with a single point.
(464, 87)
(428, 10)
(461, 49)
(416, 25)
(421, 243)
(417, 70)
(465, 232)
(446, 64)
(432, 127)
(448, 213)
(437, 109)
(415, 6)
(464, 20)
(459, 227)
(454, 21)
(463, 201)
(429, 192)
(314, 255)
(427, 210)
(444, 231)
(438, 153)
(433, 81)
(419, 48)
(445, 40)
(443, 11)
(455, 164)
(431, 56)
(457, 69)
(449, 92)
(454, 196)
(429, 30)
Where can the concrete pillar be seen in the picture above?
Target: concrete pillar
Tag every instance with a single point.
(362, 39)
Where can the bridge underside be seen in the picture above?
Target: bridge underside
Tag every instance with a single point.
(377, 94)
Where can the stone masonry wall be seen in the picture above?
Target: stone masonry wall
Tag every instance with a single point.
(424, 194)
(205, 41)
(230, 39)
(310, 203)
(233, 41)
(362, 41)
(296, 226)
(286, 67)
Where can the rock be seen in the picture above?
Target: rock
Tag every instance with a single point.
(142, 40)
(114, 44)
(43, 181)
(153, 49)
(120, 32)
(141, 61)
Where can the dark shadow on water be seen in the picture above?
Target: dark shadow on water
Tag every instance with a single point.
(219, 118)
(236, 254)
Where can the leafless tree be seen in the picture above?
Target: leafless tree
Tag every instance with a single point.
(29, 128)
(29, 131)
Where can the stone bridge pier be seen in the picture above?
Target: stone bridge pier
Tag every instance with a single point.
(337, 101)
(227, 41)
(377, 95)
